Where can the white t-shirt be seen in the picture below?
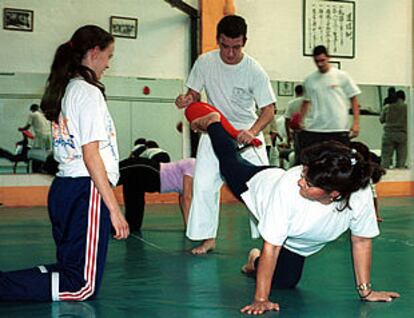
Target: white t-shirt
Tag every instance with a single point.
(281, 129)
(149, 153)
(301, 225)
(84, 118)
(293, 106)
(41, 126)
(233, 89)
(329, 94)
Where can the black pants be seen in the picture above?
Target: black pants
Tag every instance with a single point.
(309, 138)
(288, 269)
(237, 171)
(138, 175)
(233, 167)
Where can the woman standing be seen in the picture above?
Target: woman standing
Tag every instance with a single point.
(81, 203)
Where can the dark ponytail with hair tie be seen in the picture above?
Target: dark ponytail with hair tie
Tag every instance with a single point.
(67, 64)
(375, 162)
(332, 166)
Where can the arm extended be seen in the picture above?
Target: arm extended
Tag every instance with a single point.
(362, 253)
(96, 169)
(265, 270)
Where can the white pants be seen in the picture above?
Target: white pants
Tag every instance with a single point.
(204, 212)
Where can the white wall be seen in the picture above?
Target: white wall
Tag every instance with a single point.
(384, 35)
(161, 49)
(383, 40)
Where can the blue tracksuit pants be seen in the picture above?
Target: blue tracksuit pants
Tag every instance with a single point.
(81, 229)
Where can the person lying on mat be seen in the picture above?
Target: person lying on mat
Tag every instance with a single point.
(300, 210)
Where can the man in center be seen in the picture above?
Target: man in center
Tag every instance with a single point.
(235, 83)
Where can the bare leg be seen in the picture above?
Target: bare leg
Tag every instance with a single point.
(249, 266)
(205, 247)
(185, 209)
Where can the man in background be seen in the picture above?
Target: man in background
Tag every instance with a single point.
(324, 112)
(394, 139)
(41, 128)
(292, 110)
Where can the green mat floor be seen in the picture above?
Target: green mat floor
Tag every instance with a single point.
(153, 275)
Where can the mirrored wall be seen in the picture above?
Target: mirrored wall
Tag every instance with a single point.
(151, 115)
(372, 105)
(140, 107)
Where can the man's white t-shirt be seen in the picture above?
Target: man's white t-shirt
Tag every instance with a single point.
(84, 119)
(233, 89)
(41, 126)
(329, 94)
(301, 225)
(293, 106)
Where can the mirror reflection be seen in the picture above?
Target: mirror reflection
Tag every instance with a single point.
(25, 141)
(383, 124)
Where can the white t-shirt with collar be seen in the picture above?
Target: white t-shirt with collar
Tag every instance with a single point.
(233, 89)
(84, 118)
(329, 94)
(301, 225)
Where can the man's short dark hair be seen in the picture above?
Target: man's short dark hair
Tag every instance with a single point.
(391, 91)
(299, 89)
(320, 49)
(400, 94)
(232, 26)
(34, 107)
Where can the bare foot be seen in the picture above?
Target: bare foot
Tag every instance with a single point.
(201, 123)
(205, 247)
(249, 266)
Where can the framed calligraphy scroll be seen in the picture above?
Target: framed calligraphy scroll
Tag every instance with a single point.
(330, 23)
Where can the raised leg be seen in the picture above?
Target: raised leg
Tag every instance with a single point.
(235, 169)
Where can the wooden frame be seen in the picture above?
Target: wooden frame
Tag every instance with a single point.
(18, 19)
(330, 23)
(284, 88)
(123, 27)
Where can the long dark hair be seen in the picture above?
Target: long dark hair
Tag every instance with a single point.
(333, 166)
(67, 64)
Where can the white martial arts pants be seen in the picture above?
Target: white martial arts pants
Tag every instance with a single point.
(204, 212)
